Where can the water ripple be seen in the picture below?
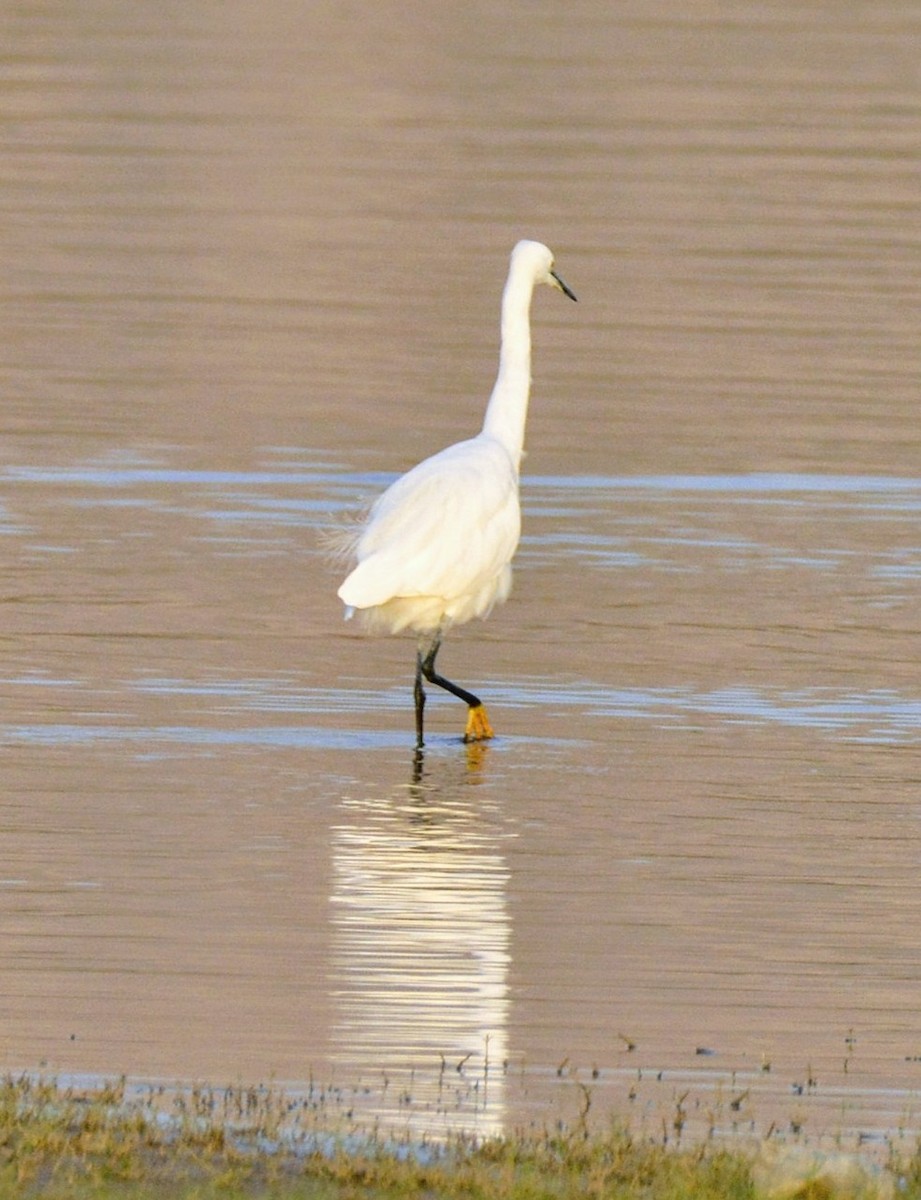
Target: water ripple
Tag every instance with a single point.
(879, 715)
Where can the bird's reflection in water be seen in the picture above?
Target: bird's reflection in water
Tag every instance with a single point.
(421, 939)
(474, 762)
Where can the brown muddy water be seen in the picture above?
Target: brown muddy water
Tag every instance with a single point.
(252, 264)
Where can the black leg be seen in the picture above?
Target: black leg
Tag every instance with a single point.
(427, 667)
(478, 726)
(419, 696)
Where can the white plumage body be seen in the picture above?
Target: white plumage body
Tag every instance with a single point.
(438, 544)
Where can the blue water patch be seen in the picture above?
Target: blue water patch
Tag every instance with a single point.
(780, 483)
(881, 715)
(757, 484)
(309, 738)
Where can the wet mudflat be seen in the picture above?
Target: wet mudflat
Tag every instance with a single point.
(240, 299)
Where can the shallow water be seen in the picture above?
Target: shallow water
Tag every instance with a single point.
(254, 269)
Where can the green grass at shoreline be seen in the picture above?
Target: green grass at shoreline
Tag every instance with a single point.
(58, 1142)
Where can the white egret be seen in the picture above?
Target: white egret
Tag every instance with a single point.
(436, 547)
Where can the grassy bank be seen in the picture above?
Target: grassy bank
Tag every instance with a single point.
(232, 1143)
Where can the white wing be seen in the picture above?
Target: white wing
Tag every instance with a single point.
(442, 529)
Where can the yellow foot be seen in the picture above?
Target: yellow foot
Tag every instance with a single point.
(478, 726)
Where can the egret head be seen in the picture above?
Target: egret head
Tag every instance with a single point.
(537, 259)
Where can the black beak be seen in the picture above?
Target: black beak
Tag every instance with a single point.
(564, 288)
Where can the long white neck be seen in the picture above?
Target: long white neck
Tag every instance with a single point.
(507, 410)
